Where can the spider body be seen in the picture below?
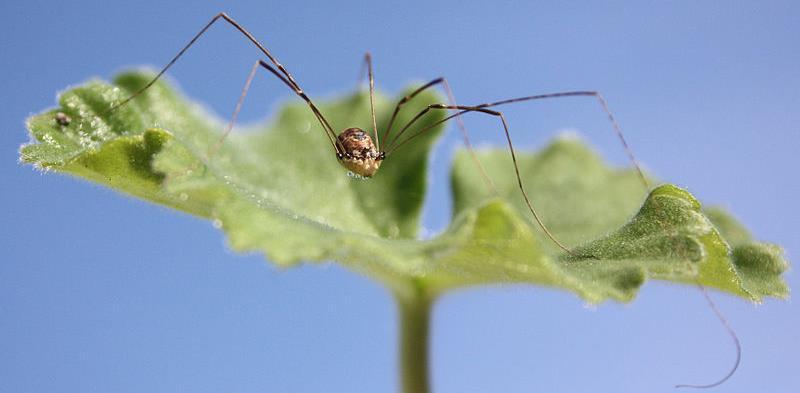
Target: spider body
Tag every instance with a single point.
(360, 155)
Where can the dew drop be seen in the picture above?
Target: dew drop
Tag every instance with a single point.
(217, 223)
(183, 196)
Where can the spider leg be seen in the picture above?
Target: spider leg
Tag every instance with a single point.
(483, 109)
(228, 128)
(328, 130)
(731, 334)
(276, 68)
(603, 104)
(466, 109)
(600, 99)
(239, 103)
(461, 127)
(213, 149)
(367, 64)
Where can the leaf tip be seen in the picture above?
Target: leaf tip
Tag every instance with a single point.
(673, 191)
(766, 257)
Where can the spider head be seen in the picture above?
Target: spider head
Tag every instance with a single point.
(360, 155)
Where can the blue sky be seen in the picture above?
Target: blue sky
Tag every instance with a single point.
(103, 293)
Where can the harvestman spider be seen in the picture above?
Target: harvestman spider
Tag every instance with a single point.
(356, 151)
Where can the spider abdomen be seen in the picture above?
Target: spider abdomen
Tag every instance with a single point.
(360, 155)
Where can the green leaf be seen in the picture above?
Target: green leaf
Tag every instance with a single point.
(279, 190)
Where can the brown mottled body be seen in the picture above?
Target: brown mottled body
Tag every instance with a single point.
(360, 155)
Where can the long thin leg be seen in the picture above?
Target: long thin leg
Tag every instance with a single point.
(328, 130)
(281, 71)
(603, 103)
(194, 39)
(466, 109)
(250, 77)
(597, 95)
(402, 102)
(362, 71)
(461, 127)
(367, 64)
(229, 127)
(733, 337)
(213, 149)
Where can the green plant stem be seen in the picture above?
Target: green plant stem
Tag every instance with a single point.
(415, 310)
